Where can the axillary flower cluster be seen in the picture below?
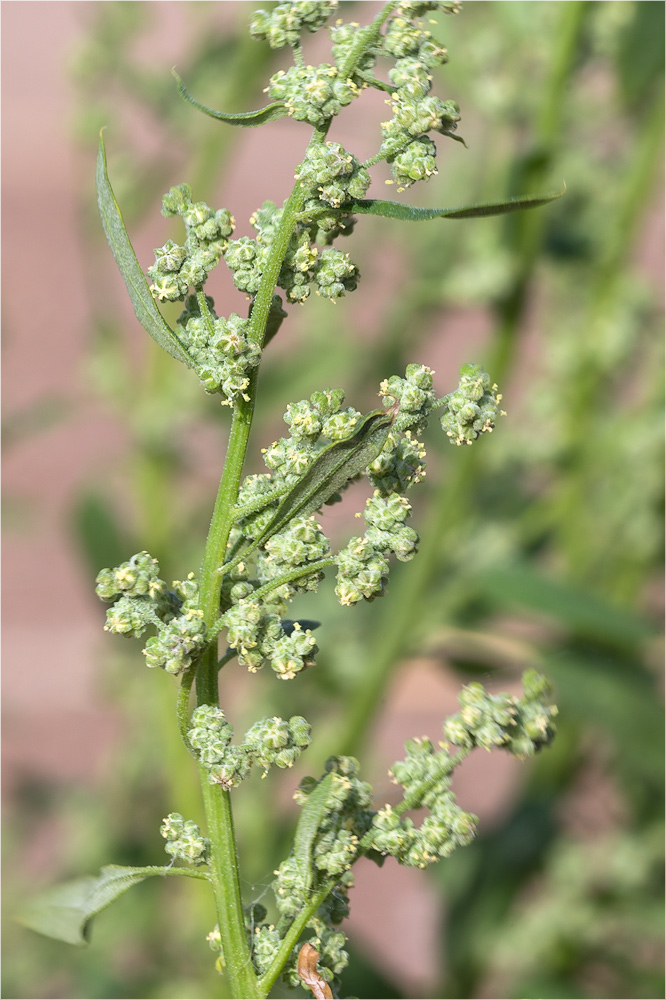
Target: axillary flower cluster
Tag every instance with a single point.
(266, 544)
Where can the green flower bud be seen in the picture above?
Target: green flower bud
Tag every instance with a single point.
(403, 38)
(335, 274)
(284, 24)
(303, 420)
(129, 616)
(184, 840)
(173, 826)
(177, 643)
(341, 424)
(431, 53)
(417, 116)
(265, 945)
(177, 200)
(415, 163)
(169, 258)
(411, 73)
(312, 93)
(233, 769)
(399, 464)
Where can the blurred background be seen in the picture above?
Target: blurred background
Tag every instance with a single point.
(541, 546)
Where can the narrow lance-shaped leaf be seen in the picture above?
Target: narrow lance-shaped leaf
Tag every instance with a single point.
(409, 213)
(330, 472)
(246, 119)
(145, 309)
(65, 912)
(311, 818)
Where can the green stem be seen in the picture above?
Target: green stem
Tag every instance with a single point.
(217, 803)
(224, 513)
(183, 707)
(223, 873)
(224, 862)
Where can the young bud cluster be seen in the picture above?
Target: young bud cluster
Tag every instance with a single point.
(313, 94)
(259, 637)
(337, 175)
(521, 726)
(177, 269)
(141, 599)
(363, 564)
(330, 272)
(184, 841)
(270, 741)
(473, 408)
(223, 354)
(285, 22)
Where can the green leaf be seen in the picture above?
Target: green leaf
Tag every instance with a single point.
(247, 119)
(408, 213)
(65, 912)
(311, 818)
(330, 472)
(145, 309)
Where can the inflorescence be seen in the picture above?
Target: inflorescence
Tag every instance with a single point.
(350, 827)
(265, 567)
(257, 590)
(331, 179)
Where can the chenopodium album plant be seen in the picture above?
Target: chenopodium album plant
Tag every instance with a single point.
(265, 543)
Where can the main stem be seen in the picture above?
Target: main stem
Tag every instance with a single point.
(223, 855)
(223, 863)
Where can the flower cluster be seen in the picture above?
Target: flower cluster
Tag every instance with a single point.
(413, 397)
(425, 776)
(259, 636)
(184, 841)
(141, 599)
(521, 726)
(136, 584)
(223, 354)
(330, 271)
(283, 25)
(313, 94)
(337, 175)
(363, 564)
(473, 408)
(270, 741)
(405, 145)
(179, 268)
